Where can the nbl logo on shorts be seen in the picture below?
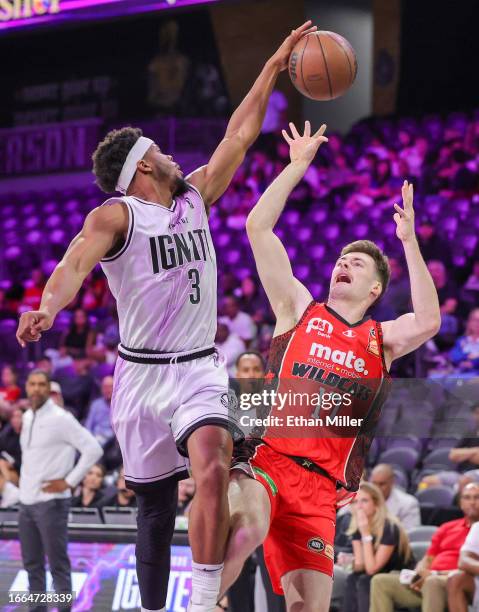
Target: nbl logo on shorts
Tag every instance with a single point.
(317, 545)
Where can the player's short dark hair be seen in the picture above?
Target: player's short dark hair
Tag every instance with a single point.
(38, 371)
(256, 354)
(380, 259)
(110, 155)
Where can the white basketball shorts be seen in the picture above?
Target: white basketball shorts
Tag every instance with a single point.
(155, 407)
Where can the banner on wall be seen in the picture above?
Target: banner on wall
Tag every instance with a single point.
(103, 577)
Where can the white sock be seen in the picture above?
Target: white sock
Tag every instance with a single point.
(205, 586)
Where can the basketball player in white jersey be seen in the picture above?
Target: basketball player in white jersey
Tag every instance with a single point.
(170, 395)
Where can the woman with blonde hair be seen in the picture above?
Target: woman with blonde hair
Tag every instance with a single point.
(380, 545)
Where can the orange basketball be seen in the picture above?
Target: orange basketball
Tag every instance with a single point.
(323, 65)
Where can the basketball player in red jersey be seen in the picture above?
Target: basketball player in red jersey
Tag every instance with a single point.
(288, 482)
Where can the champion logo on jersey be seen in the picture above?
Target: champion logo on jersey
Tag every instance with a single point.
(350, 333)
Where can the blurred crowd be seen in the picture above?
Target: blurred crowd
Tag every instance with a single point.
(347, 194)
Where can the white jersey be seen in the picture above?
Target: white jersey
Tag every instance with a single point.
(164, 276)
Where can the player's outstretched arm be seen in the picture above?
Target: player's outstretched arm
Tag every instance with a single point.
(409, 331)
(286, 294)
(101, 230)
(245, 124)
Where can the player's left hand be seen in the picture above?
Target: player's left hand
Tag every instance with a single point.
(404, 217)
(281, 57)
(55, 486)
(304, 148)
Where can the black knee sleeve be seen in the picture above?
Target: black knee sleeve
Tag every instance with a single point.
(156, 523)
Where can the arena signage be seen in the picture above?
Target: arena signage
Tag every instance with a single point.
(21, 14)
(50, 148)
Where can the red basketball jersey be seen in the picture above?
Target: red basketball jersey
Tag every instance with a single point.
(330, 381)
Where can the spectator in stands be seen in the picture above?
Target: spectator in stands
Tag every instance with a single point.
(33, 291)
(45, 363)
(123, 497)
(186, 491)
(441, 558)
(239, 323)
(10, 392)
(380, 544)
(6, 311)
(56, 394)
(397, 300)
(50, 439)
(447, 293)
(463, 586)
(432, 246)
(98, 419)
(78, 386)
(466, 452)
(91, 487)
(10, 439)
(465, 353)
(248, 296)
(230, 344)
(80, 338)
(9, 491)
(400, 504)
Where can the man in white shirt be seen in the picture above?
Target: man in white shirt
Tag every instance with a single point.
(238, 322)
(49, 440)
(230, 345)
(403, 506)
(463, 586)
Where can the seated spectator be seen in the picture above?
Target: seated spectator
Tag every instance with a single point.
(447, 293)
(466, 452)
(380, 544)
(10, 392)
(78, 386)
(123, 497)
(250, 371)
(80, 338)
(463, 586)
(6, 311)
(470, 290)
(90, 494)
(10, 440)
(441, 559)
(9, 491)
(238, 322)
(186, 491)
(400, 504)
(32, 295)
(465, 353)
(230, 345)
(98, 419)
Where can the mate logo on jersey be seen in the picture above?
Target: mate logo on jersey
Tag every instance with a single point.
(321, 326)
(348, 360)
(177, 249)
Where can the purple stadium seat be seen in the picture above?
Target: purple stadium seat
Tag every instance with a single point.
(405, 442)
(10, 224)
(304, 234)
(422, 533)
(439, 458)
(405, 458)
(439, 496)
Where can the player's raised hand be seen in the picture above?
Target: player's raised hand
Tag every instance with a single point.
(404, 217)
(304, 148)
(281, 57)
(31, 326)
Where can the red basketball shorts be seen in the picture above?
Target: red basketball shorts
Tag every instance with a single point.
(303, 514)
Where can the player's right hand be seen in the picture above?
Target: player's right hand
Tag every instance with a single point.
(31, 326)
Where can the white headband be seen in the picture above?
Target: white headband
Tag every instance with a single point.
(136, 153)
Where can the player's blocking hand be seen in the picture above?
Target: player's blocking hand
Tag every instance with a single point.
(31, 325)
(281, 57)
(304, 148)
(404, 217)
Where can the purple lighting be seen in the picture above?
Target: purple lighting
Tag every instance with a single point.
(24, 14)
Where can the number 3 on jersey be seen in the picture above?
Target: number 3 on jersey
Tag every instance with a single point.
(194, 277)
